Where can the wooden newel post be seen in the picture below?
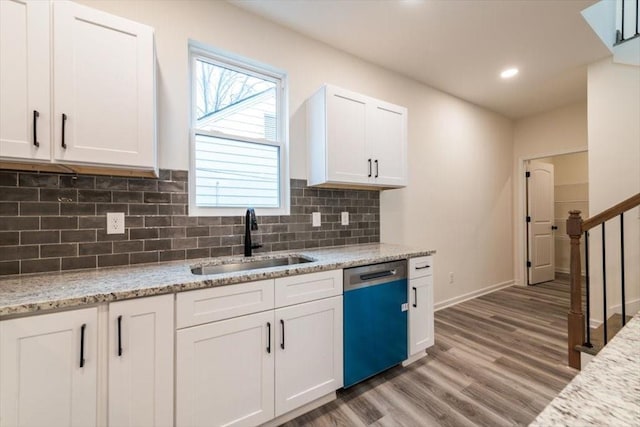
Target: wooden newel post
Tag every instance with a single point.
(576, 316)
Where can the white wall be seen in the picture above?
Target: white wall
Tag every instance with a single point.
(614, 173)
(559, 131)
(459, 197)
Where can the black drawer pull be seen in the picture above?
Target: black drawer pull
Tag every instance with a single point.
(119, 336)
(36, 114)
(64, 122)
(268, 337)
(415, 296)
(423, 267)
(82, 328)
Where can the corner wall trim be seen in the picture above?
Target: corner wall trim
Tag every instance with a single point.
(471, 295)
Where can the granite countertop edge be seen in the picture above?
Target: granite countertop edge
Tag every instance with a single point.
(21, 295)
(606, 391)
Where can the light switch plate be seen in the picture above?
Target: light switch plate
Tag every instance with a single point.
(345, 218)
(315, 219)
(115, 222)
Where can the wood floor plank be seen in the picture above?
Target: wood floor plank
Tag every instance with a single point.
(498, 360)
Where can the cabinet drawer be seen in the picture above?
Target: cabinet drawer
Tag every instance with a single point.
(224, 302)
(421, 266)
(307, 287)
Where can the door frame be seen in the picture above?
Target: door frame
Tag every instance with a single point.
(520, 212)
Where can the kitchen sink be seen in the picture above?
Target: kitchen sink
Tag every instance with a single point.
(250, 264)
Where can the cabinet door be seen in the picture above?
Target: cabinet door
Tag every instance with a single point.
(420, 314)
(225, 372)
(24, 80)
(43, 382)
(104, 85)
(309, 352)
(346, 115)
(141, 362)
(388, 143)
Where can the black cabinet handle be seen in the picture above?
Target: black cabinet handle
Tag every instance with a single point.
(423, 267)
(64, 121)
(35, 128)
(282, 340)
(369, 167)
(119, 335)
(376, 162)
(554, 227)
(268, 337)
(82, 328)
(415, 296)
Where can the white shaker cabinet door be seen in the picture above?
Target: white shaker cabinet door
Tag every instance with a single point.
(309, 360)
(25, 115)
(421, 332)
(48, 366)
(346, 127)
(103, 69)
(388, 143)
(141, 362)
(225, 372)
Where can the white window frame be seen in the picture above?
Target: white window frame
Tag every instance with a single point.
(248, 66)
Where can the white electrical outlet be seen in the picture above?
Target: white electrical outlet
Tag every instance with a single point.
(451, 277)
(345, 218)
(115, 222)
(315, 219)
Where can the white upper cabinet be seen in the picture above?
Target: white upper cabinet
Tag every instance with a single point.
(25, 116)
(103, 69)
(82, 93)
(355, 140)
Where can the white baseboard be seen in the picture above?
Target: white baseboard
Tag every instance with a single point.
(565, 271)
(471, 295)
(633, 307)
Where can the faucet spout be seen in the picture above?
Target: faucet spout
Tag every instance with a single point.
(250, 223)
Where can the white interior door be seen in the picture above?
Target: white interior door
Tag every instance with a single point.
(540, 221)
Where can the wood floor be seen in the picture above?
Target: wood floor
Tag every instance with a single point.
(498, 361)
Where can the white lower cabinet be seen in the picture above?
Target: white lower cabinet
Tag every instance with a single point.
(141, 362)
(421, 331)
(48, 369)
(225, 372)
(246, 370)
(308, 353)
(52, 370)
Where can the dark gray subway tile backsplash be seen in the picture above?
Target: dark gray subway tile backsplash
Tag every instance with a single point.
(57, 222)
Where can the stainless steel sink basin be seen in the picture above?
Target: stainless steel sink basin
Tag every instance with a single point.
(249, 265)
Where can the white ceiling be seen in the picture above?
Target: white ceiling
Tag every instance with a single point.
(459, 46)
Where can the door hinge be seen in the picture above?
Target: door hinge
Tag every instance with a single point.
(528, 264)
(527, 174)
(528, 218)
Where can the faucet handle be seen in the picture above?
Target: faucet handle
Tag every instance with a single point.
(256, 245)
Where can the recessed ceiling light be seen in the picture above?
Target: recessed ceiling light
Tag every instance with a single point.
(508, 73)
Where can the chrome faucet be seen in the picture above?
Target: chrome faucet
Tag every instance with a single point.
(250, 223)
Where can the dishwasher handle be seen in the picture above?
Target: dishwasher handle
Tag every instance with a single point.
(378, 275)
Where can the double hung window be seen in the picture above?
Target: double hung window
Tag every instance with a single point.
(239, 145)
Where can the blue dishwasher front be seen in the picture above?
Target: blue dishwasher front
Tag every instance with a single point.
(375, 319)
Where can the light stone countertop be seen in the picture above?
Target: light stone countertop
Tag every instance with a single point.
(34, 293)
(606, 392)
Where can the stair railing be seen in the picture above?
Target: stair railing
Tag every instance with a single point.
(576, 227)
(630, 10)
